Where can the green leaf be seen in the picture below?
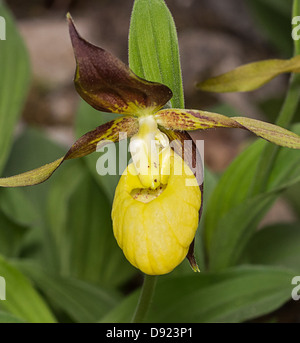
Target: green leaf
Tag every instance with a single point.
(57, 209)
(26, 205)
(153, 47)
(85, 242)
(82, 301)
(235, 295)
(209, 184)
(8, 318)
(250, 76)
(276, 245)
(123, 312)
(292, 197)
(21, 298)
(235, 229)
(232, 188)
(14, 82)
(16, 206)
(232, 214)
(87, 118)
(94, 254)
(286, 169)
(11, 235)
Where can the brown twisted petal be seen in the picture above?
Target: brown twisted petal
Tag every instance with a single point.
(190, 156)
(177, 119)
(106, 133)
(177, 138)
(108, 85)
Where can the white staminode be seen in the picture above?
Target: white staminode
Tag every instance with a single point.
(145, 147)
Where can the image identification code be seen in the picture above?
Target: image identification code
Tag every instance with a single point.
(151, 333)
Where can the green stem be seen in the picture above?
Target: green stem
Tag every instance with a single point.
(145, 298)
(287, 112)
(296, 12)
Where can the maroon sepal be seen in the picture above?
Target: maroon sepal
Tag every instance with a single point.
(108, 85)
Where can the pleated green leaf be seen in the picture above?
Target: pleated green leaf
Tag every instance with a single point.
(238, 213)
(153, 47)
(85, 244)
(14, 82)
(276, 245)
(82, 301)
(9, 318)
(231, 190)
(243, 293)
(22, 300)
(94, 255)
(12, 235)
(26, 205)
(235, 229)
(250, 76)
(16, 206)
(235, 295)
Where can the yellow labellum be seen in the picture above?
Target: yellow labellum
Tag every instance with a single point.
(155, 228)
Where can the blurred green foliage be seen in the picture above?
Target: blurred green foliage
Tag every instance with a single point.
(273, 18)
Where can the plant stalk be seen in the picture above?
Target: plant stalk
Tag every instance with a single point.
(145, 299)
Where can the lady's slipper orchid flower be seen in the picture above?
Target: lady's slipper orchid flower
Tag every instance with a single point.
(156, 210)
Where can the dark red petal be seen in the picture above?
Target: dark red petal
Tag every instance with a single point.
(107, 84)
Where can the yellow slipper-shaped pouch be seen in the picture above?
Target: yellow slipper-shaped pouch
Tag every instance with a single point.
(155, 228)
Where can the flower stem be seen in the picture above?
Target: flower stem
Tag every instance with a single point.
(285, 117)
(145, 298)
